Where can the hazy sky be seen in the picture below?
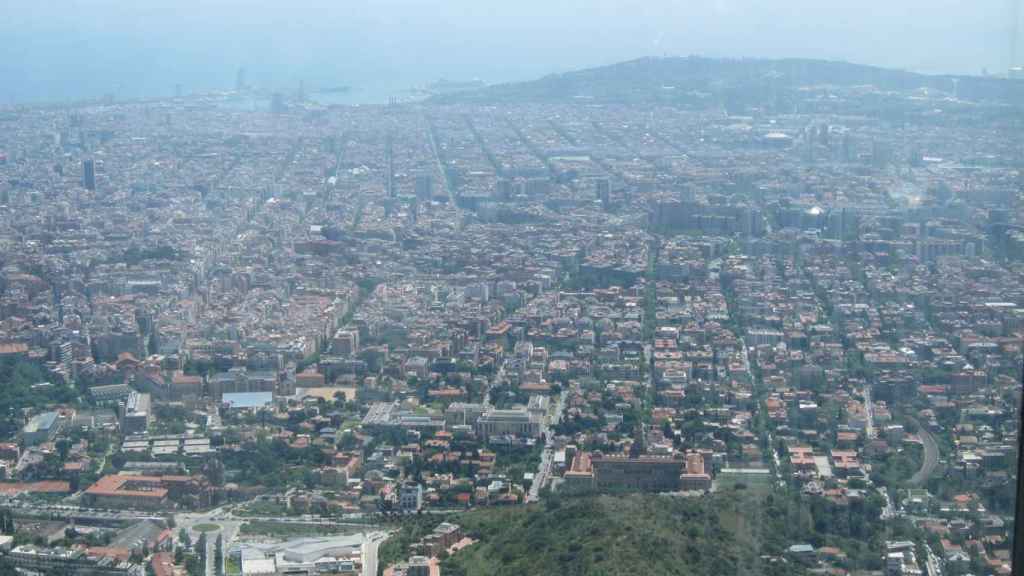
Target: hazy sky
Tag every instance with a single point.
(56, 49)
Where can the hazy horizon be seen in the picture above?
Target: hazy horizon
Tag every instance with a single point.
(85, 49)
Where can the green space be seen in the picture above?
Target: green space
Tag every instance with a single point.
(396, 547)
(636, 534)
(273, 463)
(514, 463)
(19, 391)
(206, 527)
(736, 532)
(290, 530)
(264, 508)
(894, 470)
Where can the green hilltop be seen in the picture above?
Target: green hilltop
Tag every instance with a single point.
(737, 532)
(701, 82)
(604, 535)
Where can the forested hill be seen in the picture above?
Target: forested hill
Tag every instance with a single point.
(605, 535)
(727, 533)
(695, 79)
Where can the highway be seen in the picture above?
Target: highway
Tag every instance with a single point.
(370, 548)
(931, 455)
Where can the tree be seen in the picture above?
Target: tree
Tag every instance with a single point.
(666, 429)
(63, 446)
(201, 552)
(214, 470)
(17, 392)
(193, 566)
(219, 555)
(184, 538)
(6, 521)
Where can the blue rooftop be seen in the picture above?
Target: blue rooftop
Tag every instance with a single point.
(244, 400)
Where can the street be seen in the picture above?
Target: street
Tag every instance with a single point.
(547, 456)
(869, 413)
(370, 548)
(931, 455)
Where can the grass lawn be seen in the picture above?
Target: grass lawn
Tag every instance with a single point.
(289, 530)
(206, 527)
(264, 509)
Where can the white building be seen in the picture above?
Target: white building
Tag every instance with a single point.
(303, 556)
(508, 422)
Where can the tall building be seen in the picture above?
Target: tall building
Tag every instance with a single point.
(135, 413)
(345, 342)
(240, 80)
(410, 497)
(277, 105)
(89, 174)
(504, 189)
(603, 188)
(424, 187)
(389, 154)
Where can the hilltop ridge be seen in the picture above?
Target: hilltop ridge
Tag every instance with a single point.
(696, 79)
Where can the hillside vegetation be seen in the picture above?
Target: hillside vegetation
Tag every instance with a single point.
(700, 82)
(637, 534)
(739, 532)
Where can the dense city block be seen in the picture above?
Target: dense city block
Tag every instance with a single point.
(499, 331)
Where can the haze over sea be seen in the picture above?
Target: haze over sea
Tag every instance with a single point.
(81, 49)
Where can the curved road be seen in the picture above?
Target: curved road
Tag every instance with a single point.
(931, 455)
